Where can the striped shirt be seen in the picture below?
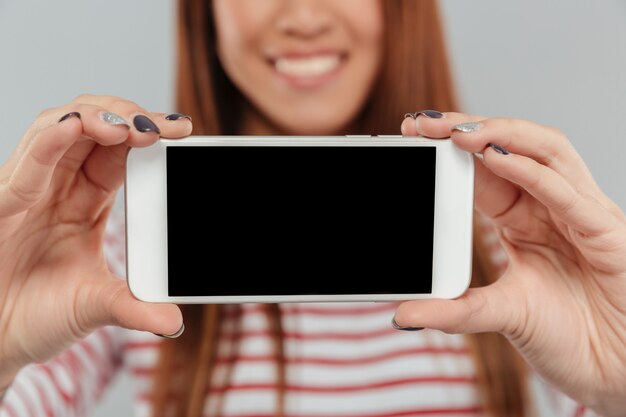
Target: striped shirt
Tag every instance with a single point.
(343, 360)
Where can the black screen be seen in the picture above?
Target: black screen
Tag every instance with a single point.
(299, 220)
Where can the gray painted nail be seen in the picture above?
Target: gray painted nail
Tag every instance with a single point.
(468, 127)
(144, 124)
(69, 115)
(177, 116)
(498, 149)
(113, 119)
(175, 335)
(431, 114)
(396, 326)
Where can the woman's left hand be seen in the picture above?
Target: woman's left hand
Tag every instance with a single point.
(562, 299)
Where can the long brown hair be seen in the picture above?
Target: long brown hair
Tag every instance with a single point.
(415, 75)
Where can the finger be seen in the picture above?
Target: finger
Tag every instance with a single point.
(33, 171)
(580, 212)
(493, 195)
(486, 309)
(430, 125)
(105, 166)
(142, 133)
(545, 145)
(111, 302)
(64, 142)
(93, 126)
(97, 127)
(173, 127)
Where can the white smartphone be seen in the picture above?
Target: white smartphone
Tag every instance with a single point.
(237, 219)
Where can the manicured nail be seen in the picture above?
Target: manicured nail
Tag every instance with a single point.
(113, 119)
(396, 326)
(175, 335)
(144, 125)
(468, 127)
(67, 116)
(177, 116)
(498, 149)
(431, 114)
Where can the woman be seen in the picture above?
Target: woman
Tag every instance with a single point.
(310, 67)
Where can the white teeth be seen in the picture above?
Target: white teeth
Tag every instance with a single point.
(307, 67)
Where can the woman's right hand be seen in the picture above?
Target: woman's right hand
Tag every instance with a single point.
(56, 192)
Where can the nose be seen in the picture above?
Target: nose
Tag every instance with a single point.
(305, 19)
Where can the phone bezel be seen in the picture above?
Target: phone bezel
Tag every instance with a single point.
(146, 218)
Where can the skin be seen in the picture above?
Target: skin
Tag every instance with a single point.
(562, 301)
(249, 33)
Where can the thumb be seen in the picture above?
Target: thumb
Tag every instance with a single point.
(112, 303)
(486, 309)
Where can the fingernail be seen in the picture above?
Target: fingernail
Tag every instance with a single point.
(177, 116)
(113, 119)
(175, 335)
(498, 149)
(468, 127)
(144, 125)
(71, 114)
(396, 326)
(431, 114)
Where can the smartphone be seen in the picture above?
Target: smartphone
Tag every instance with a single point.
(237, 219)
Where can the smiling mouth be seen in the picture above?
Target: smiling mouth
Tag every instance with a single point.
(313, 66)
(308, 70)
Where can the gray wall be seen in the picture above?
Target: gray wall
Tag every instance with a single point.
(559, 62)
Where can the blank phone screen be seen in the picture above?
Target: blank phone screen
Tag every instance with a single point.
(300, 220)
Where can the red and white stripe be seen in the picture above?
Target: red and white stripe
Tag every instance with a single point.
(343, 360)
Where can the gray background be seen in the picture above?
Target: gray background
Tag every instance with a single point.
(559, 62)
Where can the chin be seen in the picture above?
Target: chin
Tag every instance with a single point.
(314, 127)
(314, 120)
